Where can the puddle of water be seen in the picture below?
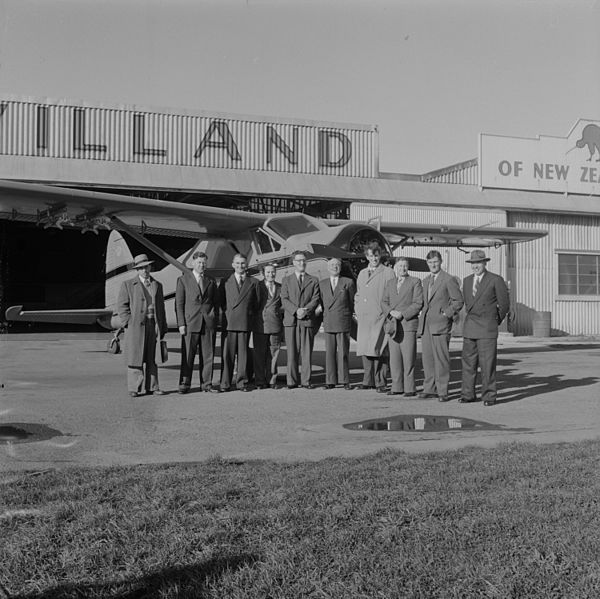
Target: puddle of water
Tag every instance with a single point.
(21, 432)
(418, 423)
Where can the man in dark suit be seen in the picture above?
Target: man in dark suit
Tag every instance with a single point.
(238, 300)
(401, 303)
(486, 306)
(267, 330)
(337, 300)
(300, 298)
(141, 308)
(443, 301)
(196, 310)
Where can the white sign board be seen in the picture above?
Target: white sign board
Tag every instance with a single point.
(557, 164)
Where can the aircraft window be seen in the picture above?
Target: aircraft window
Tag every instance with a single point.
(276, 246)
(292, 225)
(264, 242)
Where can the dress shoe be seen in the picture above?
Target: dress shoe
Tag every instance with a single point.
(158, 392)
(183, 389)
(364, 387)
(394, 393)
(443, 398)
(262, 386)
(274, 386)
(466, 400)
(328, 386)
(309, 386)
(135, 394)
(214, 389)
(348, 387)
(410, 394)
(381, 390)
(427, 395)
(489, 402)
(292, 386)
(244, 389)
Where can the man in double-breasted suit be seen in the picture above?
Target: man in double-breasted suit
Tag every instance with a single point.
(197, 312)
(337, 300)
(443, 301)
(268, 329)
(300, 298)
(401, 303)
(370, 284)
(141, 308)
(238, 300)
(486, 306)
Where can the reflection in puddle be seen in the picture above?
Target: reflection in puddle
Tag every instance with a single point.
(21, 432)
(412, 422)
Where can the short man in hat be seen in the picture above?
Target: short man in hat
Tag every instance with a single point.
(196, 307)
(486, 306)
(141, 308)
(443, 301)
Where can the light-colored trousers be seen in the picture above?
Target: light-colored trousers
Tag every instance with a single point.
(145, 378)
(436, 362)
(403, 356)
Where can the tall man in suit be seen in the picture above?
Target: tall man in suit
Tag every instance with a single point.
(401, 303)
(197, 312)
(443, 301)
(370, 284)
(486, 306)
(300, 298)
(141, 308)
(268, 329)
(337, 300)
(238, 300)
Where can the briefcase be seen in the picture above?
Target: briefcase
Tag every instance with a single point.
(164, 351)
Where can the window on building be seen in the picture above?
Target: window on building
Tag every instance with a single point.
(578, 274)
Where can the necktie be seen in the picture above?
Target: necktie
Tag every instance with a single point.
(333, 283)
(430, 290)
(239, 281)
(201, 282)
(301, 280)
(147, 282)
(475, 284)
(272, 289)
(371, 271)
(400, 281)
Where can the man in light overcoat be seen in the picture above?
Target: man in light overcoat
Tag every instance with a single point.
(370, 284)
(141, 309)
(196, 308)
(238, 300)
(401, 303)
(268, 329)
(443, 301)
(337, 300)
(486, 306)
(300, 298)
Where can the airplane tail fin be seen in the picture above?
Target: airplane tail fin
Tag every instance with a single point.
(118, 265)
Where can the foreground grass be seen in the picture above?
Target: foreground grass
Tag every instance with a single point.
(516, 521)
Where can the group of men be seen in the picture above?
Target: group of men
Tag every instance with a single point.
(390, 306)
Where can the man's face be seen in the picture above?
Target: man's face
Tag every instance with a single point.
(334, 268)
(435, 265)
(374, 258)
(401, 268)
(239, 265)
(199, 264)
(144, 271)
(269, 274)
(300, 263)
(478, 268)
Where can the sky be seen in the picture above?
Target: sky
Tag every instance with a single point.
(431, 74)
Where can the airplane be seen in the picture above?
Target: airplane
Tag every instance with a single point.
(220, 233)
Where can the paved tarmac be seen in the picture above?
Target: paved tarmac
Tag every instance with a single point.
(549, 390)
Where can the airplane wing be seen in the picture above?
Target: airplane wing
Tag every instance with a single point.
(91, 316)
(411, 234)
(92, 210)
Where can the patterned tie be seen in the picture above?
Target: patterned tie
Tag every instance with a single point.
(400, 281)
(147, 282)
(475, 285)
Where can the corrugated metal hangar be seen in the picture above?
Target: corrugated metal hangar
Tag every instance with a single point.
(323, 169)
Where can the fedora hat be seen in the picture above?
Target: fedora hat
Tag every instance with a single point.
(141, 260)
(478, 256)
(391, 328)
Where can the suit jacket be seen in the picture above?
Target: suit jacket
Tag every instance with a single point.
(445, 303)
(238, 305)
(409, 301)
(338, 305)
(292, 298)
(132, 307)
(269, 315)
(367, 306)
(487, 309)
(193, 308)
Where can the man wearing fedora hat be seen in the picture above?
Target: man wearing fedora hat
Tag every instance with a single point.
(486, 306)
(141, 308)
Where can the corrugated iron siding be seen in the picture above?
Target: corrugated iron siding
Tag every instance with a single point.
(454, 259)
(463, 173)
(534, 269)
(113, 134)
